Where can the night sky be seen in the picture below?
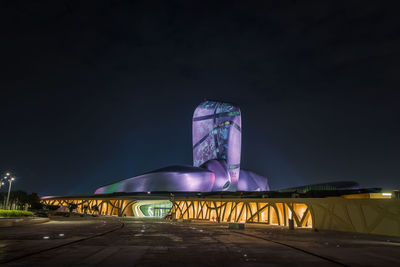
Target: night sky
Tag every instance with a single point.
(97, 91)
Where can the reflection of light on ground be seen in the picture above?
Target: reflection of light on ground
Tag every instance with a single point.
(365, 242)
(73, 222)
(174, 238)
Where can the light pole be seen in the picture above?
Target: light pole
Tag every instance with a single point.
(10, 180)
(1, 184)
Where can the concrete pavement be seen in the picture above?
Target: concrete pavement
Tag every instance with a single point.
(110, 241)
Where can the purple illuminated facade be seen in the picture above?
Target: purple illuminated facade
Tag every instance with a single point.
(216, 159)
(217, 136)
(169, 179)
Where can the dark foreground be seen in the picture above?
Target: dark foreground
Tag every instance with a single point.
(132, 242)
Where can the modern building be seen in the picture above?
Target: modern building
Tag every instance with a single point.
(217, 137)
(217, 188)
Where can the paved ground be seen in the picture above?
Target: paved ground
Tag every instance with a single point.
(106, 241)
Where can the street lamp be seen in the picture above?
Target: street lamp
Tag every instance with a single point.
(1, 185)
(10, 180)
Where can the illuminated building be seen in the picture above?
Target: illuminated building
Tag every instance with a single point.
(217, 188)
(217, 137)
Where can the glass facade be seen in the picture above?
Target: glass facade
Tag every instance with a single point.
(158, 210)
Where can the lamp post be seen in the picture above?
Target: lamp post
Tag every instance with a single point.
(10, 180)
(1, 184)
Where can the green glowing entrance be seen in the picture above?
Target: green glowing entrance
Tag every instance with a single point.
(155, 208)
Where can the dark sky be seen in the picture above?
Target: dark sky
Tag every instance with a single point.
(96, 91)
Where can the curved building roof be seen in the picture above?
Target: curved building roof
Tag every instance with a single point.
(217, 136)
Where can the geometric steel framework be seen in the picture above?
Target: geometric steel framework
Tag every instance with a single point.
(375, 216)
(216, 155)
(243, 211)
(111, 207)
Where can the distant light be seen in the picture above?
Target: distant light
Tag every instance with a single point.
(46, 237)
(386, 194)
(12, 179)
(8, 174)
(148, 193)
(5, 177)
(61, 235)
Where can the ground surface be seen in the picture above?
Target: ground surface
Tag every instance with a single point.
(106, 241)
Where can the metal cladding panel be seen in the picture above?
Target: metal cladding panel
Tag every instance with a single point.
(167, 181)
(217, 135)
(221, 171)
(217, 141)
(250, 181)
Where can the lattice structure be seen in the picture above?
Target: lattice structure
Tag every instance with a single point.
(112, 207)
(246, 211)
(377, 216)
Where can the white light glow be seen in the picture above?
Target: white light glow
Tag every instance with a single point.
(386, 194)
(137, 210)
(150, 211)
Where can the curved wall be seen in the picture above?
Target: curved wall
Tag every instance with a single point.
(217, 135)
(171, 179)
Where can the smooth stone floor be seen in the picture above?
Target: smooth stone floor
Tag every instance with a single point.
(110, 241)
